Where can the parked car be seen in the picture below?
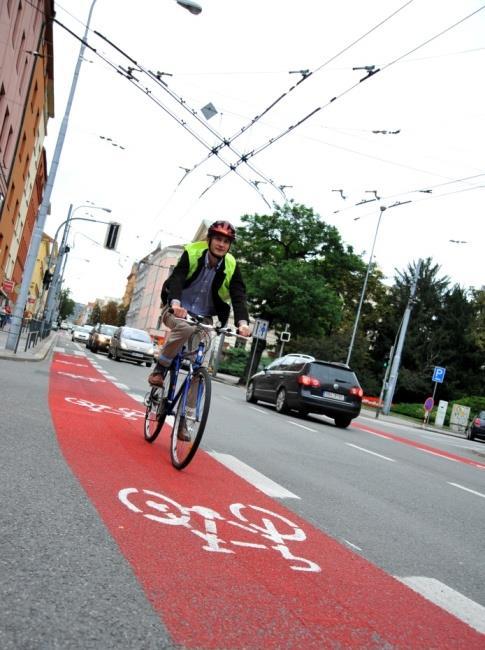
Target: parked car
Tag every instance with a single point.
(131, 344)
(302, 383)
(476, 427)
(81, 333)
(100, 337)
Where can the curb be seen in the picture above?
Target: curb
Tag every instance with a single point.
(44, 349)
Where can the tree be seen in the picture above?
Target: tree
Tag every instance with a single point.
(109, 313)
(66, 304)
(95, 316)
(298, 271)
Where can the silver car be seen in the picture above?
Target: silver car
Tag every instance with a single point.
(131, 344)
(81, 332)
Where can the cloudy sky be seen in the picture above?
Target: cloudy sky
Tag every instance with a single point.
(413, 131)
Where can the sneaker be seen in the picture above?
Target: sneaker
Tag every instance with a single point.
(157, 377)
(183, 432)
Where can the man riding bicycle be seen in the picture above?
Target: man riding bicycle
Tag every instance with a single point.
(204, 281)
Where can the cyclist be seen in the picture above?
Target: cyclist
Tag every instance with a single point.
(204, 281)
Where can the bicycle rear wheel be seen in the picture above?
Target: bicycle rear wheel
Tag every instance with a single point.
(183, 447)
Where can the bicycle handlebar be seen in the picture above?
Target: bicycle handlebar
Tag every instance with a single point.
(198, 320)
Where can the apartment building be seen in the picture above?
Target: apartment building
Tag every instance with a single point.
(26, 103)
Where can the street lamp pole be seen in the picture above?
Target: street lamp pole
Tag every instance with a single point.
(362, 294)
(62, 251)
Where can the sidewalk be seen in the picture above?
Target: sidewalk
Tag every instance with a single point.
(369, 413)
(34, 353)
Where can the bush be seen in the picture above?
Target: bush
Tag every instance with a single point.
(234, 361)
(416, 411)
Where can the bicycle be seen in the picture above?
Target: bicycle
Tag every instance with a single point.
(172, 398)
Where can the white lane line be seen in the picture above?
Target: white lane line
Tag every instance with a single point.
(138, 398)
(119, 385)
(254, 477)
(452, 601)
(435, 453)
(110, 377)
(255, 408)
(368, 451)
(79, 353)
(302, 426)
(58, 349)
(462, 487)
(357, 548)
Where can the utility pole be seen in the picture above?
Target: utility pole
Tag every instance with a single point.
(396, 362)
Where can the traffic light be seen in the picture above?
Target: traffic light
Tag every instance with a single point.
(112, 235)
(47, 279)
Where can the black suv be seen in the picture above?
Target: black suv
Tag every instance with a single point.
(300, 382)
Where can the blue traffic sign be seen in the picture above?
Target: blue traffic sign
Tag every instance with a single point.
(439, 374)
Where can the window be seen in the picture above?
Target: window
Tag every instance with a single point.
(16, 23)
(9, 6)
(8, 145)
(34, 97)
(23, 75)
(3, 132)
(22, 146)
(20, 52)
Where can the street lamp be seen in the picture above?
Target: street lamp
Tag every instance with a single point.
(62, 251)
(382, 208)
(36, 239)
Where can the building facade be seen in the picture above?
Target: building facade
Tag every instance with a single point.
(26, 103)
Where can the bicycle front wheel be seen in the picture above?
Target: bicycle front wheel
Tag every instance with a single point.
(190, 419)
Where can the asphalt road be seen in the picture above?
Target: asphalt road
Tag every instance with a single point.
(389, 499)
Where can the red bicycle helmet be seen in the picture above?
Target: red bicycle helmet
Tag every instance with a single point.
(222, 228)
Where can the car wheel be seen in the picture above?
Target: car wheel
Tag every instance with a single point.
(250, 393)
(281, 401)
(110, 356)
(148, 364)
(342, 423)
(94, 348)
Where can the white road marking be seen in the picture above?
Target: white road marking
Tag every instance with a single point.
(79, 353)
(302, 426)
(254, 477)
(58, 349)
(135, 396)
(452, 601)
(357, 548)
(368, 451)
(119, 385)
(110, 377)
(255, 408)
(462, 487)
(435, 453)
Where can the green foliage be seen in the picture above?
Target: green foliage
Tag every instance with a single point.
(234, 361)
(95, 316)
(297, 270)
(66, 304)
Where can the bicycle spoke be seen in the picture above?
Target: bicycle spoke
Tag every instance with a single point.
(191, 418)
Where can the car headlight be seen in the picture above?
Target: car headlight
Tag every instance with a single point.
(150, 351)
(123, 346)
(102, 338)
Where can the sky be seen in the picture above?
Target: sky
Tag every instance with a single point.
(128, 141)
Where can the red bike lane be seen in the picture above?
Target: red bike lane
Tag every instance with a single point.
(224, 565)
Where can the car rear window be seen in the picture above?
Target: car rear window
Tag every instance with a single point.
(331, 374)
(135, 335)
(109, 330)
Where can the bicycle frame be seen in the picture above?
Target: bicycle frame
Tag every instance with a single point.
(173, 395)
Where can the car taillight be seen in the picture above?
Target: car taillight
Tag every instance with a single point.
(356, 390)
(477, 422)
(306, 380)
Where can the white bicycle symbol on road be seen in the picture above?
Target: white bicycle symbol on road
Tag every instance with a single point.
(164, 510)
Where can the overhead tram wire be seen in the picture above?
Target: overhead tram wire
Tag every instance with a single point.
(164, 86)
(147, 92)
(292, 127)
(258, 117)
